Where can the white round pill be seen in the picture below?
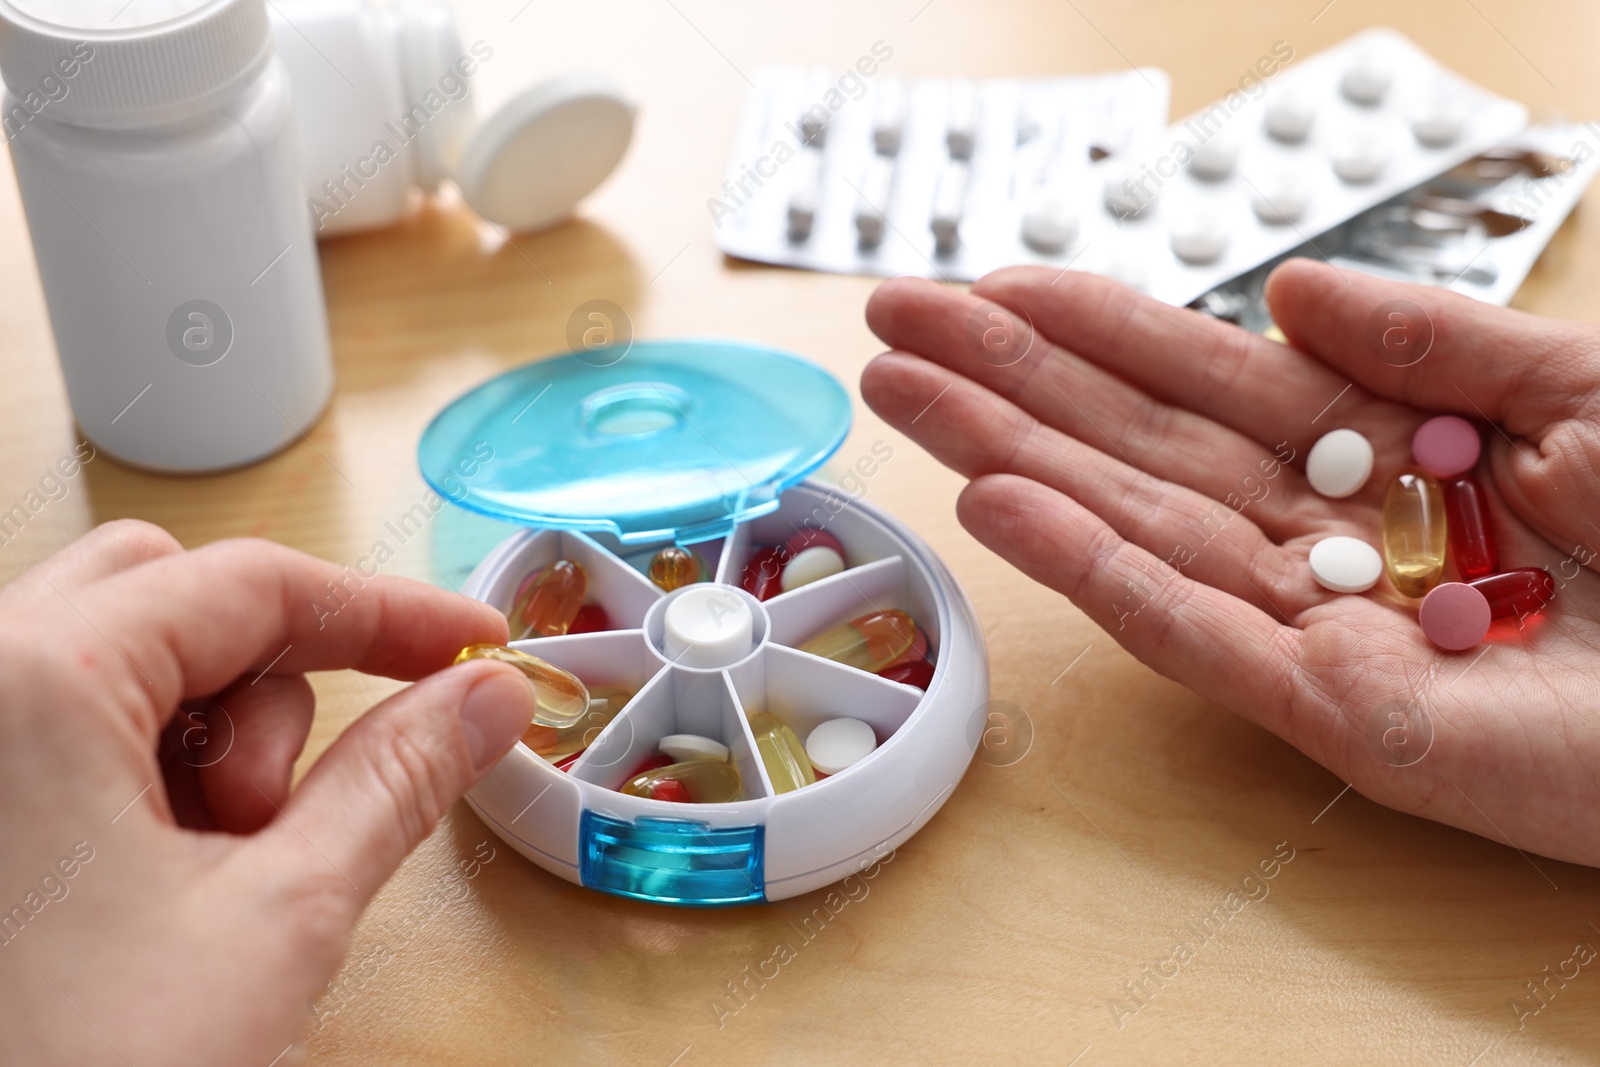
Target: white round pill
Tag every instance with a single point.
(1367, 81)
(810, 565)
(1050, 223)
(1289, 117)
(1439, 121)
(1214, 158)
(1200, 239)
(1345, 564)
(707, 626)
(838, 743)
(1282, 200)
(1339, 464)
(1124, 196)
(681, 747)
(1360, 159)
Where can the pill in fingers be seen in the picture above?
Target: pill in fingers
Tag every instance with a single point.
(1454, 616)
(1339, 464)
(1345, 564)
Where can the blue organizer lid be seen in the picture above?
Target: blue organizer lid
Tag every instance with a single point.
(662, 440)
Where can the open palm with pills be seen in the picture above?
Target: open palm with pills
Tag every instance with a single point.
(1149, 463)
(171, 899)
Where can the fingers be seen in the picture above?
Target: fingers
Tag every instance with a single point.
(105, 550)
(1460, 356)
(384, 784)
(1088, 329)
(189, 625)
(246, 748)
(1214, 643)
(976, 433)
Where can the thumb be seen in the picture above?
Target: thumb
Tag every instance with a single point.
(1435, 349)
(385, 783)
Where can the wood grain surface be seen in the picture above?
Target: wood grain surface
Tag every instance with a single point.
(1010, 929)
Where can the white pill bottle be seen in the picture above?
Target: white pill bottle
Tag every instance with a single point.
(157, 157)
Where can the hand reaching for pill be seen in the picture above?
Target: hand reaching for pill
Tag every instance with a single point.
(165, 896)
(1149, 463)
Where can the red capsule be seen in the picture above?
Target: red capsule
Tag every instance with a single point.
(1471, 537)
(591, 619)
(654, 762)
(919, 674)
(763, 575)
(1521, 592)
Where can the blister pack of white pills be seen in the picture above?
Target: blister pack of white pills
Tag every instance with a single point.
(1477, 229)
(885, 176)
(1254, 175)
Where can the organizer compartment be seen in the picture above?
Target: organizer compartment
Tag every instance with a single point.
(639, 558)
(804, 692)
(622, 591)
(677, 701)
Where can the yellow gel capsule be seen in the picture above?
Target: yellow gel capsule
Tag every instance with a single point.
(781, 753)
(869, 643)
(696, 781)
(552, 743)
(1414, 532)
(560, 699)
(674, 567)
(548, 600)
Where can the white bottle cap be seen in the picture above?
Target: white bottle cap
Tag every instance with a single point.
(528, 164)
(708, 626)
(131, 60)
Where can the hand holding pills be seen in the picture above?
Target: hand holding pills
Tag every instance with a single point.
(155, 704)
(1289, 529)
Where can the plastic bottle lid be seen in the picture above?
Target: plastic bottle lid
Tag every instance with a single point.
(528, 164)
(661, 440)
(144, 60)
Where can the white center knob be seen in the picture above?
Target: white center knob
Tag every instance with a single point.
(708, 626)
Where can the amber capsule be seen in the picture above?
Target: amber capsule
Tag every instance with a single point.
(604, 703)
(1522, 592)
(560, 699)
(781, 753)
(1471, 537)
(548, 601)
(1414, 532)
(869, 643)
(674, 567)
(698, 781)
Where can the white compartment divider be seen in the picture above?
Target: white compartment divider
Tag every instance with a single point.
(630, 737)
(805, 691)
(804, 613)
(745, 756)
(676, 701)
(735, 553)
(622, 591)
(613, 657)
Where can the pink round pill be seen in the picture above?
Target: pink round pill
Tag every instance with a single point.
(1454, 615)
(1446, 446)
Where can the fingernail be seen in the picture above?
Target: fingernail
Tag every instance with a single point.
(496, 711)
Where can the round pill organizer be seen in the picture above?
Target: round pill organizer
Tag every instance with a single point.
(607, 456)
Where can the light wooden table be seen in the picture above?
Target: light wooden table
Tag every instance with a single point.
(1005, 929)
